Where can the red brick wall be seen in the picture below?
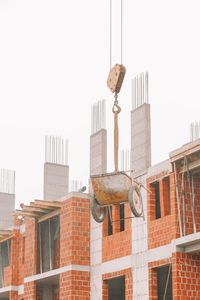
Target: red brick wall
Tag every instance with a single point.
(153, 292)
(75, 285)
(118, 244)
(128, 283)
(30, 291)
(161, 231)
(185, 276)
(75, 232)
(30, 247)
(7, 276)
(13, 295)
(75, 248)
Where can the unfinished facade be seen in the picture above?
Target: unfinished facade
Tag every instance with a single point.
(58, 251)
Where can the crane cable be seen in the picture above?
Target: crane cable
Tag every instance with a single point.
(120, 33)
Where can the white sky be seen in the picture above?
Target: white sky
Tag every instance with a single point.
(54, 62)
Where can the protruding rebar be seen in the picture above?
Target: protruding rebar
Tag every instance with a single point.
(7, 181)
(194, 131)
(125, 160)
(98, 116)
(56, 150)
(140, 92)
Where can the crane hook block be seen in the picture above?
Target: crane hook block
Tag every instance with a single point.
(115, 78)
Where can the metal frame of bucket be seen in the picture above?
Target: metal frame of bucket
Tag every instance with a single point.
(114, 189)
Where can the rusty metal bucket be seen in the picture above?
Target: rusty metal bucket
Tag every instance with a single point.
(113, 189)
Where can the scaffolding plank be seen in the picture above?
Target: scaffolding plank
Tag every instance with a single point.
(5, 232)
(49, 203)
(35, 209)
(7, 238)
(23, 213)
(49, 215)
(47, 207)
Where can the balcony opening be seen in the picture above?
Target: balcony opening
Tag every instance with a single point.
(48, 249)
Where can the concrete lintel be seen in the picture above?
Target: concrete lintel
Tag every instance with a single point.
(116, 265)
(55, 272)
(160, 253)
(4, 292)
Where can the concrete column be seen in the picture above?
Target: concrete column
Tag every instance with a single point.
(56, 181)
(7, 206)
(98, 152)
(140, 138)
(98, 165)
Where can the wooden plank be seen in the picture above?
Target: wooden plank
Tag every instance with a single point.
(49, 203)
(35, 209)
(18, 212)
(48, 216)
(47, 207)
(5, 232)
(7, 238)
(34, 212)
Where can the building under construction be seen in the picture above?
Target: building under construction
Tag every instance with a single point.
(54, 249)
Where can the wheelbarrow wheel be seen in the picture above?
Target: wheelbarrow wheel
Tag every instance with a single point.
(135, 201)
(98, 212)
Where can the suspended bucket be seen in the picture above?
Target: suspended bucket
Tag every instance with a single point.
(114, 189)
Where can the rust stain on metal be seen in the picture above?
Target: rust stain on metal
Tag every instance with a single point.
(111, 188)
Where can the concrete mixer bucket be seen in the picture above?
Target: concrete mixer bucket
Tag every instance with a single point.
(114, 189)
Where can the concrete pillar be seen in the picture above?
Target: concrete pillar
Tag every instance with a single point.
(98, 165)
(7, 206)
(47, 292)
(56, 181)
(98, 152)
(140, 138)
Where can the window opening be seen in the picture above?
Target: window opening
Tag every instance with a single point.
(157, 200)
(169, 198)
(122, 221)
(116, 288)
(164, 282)
(110, 229)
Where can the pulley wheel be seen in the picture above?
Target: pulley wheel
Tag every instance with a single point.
(135, 201)
(98, 212)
